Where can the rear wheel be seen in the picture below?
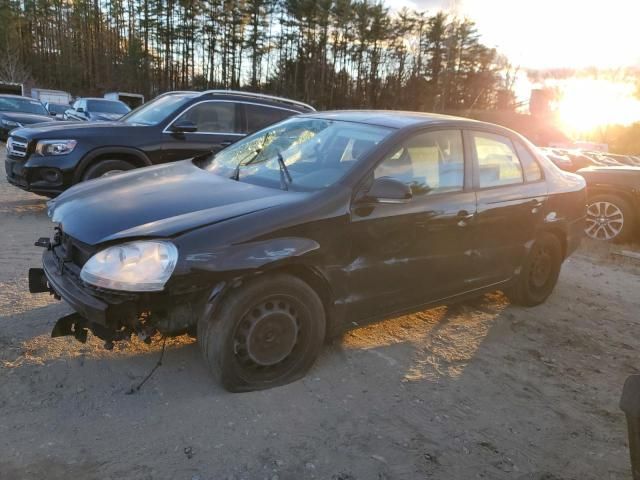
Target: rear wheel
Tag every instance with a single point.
(267, 332)
(106, 168)
(609, 218)
(539, 273)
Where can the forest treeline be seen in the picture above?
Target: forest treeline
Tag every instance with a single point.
(331, 53)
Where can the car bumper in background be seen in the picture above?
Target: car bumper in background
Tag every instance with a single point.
(47, 181)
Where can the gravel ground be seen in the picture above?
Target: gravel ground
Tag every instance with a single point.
(480, 390)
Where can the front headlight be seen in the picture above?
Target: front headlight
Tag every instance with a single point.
(55, 147)
(10, 123)
(142, 266)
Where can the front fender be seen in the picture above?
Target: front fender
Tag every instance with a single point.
(258, 255)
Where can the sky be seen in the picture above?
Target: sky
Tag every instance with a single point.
(541, 34)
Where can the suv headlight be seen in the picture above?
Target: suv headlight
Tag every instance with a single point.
(142, 266)
(55, 147)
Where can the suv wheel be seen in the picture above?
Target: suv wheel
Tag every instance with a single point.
(539, 273)
(609, 218)
(106, 168)
(267, 332)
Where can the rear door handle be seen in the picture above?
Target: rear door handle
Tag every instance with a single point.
(225, 144)
(535, 205)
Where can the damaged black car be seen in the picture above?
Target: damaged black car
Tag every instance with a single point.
(320, 222)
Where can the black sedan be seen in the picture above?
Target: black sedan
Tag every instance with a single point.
(298, 231)
(17, 111)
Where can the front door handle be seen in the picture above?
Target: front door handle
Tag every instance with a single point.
(225, 144)
(463, 218)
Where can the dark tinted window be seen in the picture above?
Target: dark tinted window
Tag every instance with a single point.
(259, 116)
(107, 106)
(212, 117)
(57, 108)
(431, 162)
(25, 105)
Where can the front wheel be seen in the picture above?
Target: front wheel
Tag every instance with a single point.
(267, 332)
(540, 271)
(106, 168)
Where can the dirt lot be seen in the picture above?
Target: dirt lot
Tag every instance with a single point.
(482, 390)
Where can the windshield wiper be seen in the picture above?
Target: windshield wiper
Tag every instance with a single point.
(284, 173)
(236, 171)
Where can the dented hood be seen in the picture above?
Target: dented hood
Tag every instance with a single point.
(158, 201)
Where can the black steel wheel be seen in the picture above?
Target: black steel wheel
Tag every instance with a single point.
(265, 333)
(539, 273)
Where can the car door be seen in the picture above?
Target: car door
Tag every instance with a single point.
(512, 197)
(217, 126)
(409, 254)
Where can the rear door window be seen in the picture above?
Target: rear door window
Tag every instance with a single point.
(212, 117)
(261, 116)
(498, 163)
(532, 172)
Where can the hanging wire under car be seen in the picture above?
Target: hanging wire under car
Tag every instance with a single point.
(159, 363)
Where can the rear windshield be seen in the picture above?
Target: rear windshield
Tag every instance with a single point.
(23, 105)
(107, 106)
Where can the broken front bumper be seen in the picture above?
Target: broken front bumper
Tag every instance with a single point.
(64, 285)
(111, 315)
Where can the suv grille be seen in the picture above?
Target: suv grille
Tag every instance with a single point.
(17, 147)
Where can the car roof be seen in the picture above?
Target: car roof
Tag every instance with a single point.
(98, 98)
(240, 96)
(395, 118)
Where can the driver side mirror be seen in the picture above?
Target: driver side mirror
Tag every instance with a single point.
(388, 190)
(184, 126)
(80, 110)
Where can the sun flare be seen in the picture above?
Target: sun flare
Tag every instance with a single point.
(584, 105)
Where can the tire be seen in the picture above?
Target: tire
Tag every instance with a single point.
(105, 168)
(609, 218)
(265, 333)
(539, 273)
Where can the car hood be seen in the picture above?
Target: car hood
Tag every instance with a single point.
(68, 129)
(25, 118)
(159, 201)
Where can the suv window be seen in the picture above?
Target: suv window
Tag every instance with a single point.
(497, 160)
(429, 163)
(212, 117)
(260, 116)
